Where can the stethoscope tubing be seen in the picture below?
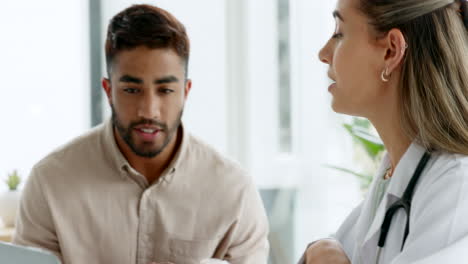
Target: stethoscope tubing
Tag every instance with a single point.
(404, 202)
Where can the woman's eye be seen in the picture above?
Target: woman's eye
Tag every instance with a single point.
(337, 35)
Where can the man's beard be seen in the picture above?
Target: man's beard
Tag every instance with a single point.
(126, 133)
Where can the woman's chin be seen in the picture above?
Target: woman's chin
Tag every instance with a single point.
(341, 109)
(336, 107)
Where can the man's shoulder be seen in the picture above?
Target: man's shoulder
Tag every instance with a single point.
(219, 165)
(221, 177)
(73, 152)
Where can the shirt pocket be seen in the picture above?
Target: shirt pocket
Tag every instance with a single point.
(194, 250)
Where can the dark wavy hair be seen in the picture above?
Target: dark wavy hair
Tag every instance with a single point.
(146, 25)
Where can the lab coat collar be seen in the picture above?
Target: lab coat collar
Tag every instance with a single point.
(400, 179)
(405, 169)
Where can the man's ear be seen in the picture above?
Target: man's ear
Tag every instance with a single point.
(106, 85)
(395, 45)
(187, 88)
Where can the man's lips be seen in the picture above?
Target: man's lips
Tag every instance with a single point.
(147, 133)
(148, 130)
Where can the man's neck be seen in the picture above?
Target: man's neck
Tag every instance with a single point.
(151, 168)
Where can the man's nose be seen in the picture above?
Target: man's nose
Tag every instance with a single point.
(149, 107)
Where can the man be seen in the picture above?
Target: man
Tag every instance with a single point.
(140, 188)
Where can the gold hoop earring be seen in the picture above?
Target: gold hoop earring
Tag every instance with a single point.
(382, 76)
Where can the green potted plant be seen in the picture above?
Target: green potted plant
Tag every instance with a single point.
(369, 150)
(9, 199)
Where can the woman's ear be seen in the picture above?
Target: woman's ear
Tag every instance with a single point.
(396, 46)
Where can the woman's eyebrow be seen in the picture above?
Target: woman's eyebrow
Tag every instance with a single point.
(337, 14)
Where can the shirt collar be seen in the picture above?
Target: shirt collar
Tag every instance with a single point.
(179, 158)
(112, 150)
(118, 160)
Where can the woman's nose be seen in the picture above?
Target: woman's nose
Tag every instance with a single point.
(324, 54)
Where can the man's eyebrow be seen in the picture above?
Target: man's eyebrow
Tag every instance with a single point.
(166, 79)
(130, 79)
(337, 14)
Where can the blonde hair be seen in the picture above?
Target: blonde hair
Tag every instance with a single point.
(434, 79)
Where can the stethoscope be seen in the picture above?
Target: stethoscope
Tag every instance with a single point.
(404, 203)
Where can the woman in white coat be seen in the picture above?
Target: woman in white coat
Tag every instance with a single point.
(403, 64)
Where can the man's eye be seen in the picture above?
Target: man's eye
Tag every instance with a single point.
(131, 90)
(165, 91)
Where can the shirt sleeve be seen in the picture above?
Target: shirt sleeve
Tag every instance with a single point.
(34, 224)
(250, 237)
(438, 219)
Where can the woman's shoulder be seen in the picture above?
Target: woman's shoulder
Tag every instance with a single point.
(446, 169)
(445, 162)
(441, 199)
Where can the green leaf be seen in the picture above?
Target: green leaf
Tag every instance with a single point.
(361, 122)
(359, 175)
(365, 179)
(372, 144)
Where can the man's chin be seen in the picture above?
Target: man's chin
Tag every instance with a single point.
(147, 152)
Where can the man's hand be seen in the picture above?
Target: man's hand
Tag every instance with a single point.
(326, 251)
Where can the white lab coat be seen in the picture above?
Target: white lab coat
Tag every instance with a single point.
(439, 214)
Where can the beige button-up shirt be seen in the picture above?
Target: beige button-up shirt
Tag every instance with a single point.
(86, 204)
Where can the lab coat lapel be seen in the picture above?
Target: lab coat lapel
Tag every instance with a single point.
(400, 179)
(365, 220)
